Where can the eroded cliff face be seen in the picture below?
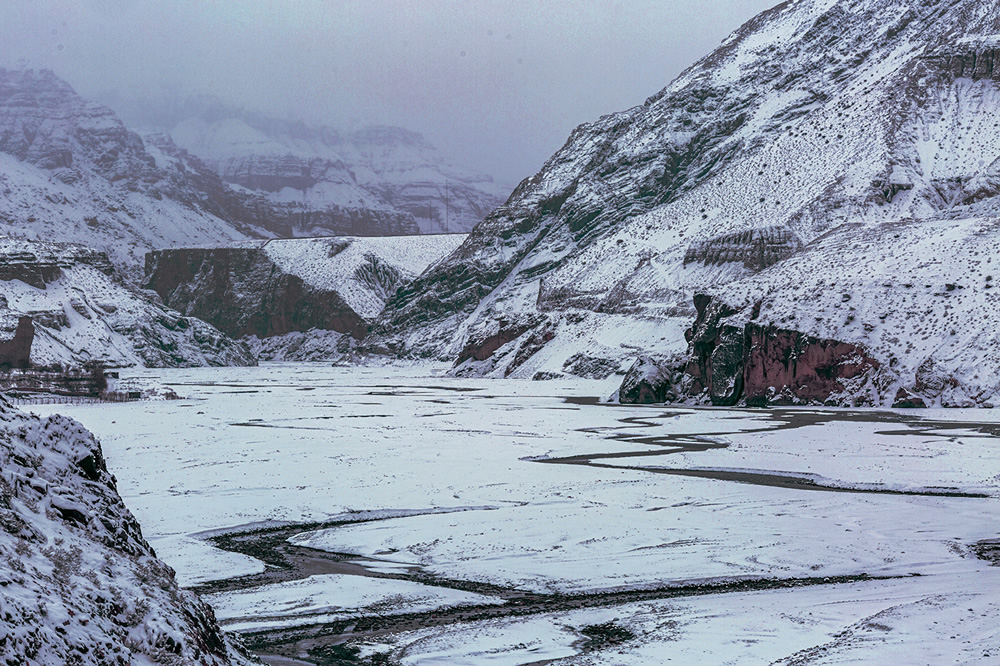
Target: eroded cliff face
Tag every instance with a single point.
(734, 359)
(82, 311)
(242, 292)
(80, 584)
(277, 288)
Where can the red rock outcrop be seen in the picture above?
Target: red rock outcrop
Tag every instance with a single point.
(757, 364)
(783, 366)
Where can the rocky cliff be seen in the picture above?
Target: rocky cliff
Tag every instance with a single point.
(243, 292)
(83, 311)
(80, 584)
(318, 181)
(280, 288)
(819, 140)
(736, 360)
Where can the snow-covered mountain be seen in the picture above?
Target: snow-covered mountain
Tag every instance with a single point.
(82, 311)
(70, 171)
(293, 298)
(80, 584)
(372, 181)
(832, 169)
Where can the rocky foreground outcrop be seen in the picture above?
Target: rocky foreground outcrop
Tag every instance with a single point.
(80, 584)
(82, 312)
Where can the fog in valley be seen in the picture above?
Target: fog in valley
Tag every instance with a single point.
(496, 86)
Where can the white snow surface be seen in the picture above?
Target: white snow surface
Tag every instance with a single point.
(305, 442)
(311, 260)
(87, 314)
(331, 597)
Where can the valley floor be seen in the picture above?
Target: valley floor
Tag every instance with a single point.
(437, 520)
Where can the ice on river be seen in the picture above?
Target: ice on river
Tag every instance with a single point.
(332, 597)
(527, 484)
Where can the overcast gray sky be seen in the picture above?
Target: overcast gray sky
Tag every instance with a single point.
(496, 85)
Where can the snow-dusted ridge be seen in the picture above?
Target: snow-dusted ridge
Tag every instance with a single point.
(83, 311)
(872, 122)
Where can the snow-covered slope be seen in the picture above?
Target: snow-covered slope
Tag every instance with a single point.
(71, 171)
(873, 120)
(373, 181)
(82, 312)
(275, 291)
(80, 584)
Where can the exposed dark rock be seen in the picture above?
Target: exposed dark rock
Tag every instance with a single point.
(906, 398)
(16, 353)
(786, 367)
(40, 269)
(932, 380)
(531, 346)
(716, 351)
(591, 367)
(646, 383)
(756, 365)
(756, 249)
(481, 344)
(241, 291)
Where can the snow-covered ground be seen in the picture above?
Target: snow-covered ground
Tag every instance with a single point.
(529, 485)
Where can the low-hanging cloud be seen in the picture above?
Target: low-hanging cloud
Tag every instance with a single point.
(497, 85)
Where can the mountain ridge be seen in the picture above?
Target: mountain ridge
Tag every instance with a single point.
(812, 117)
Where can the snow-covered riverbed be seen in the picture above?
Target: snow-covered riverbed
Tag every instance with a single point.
(529, 485)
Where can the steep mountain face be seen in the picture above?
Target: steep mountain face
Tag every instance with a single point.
(80, 584)
(82, 311)
(318, 181)
(71, 171)
(278, 290)
(800, 172)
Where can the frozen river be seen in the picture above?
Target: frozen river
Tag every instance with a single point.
(507, 522)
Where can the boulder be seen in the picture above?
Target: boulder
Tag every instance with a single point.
(646, 383)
